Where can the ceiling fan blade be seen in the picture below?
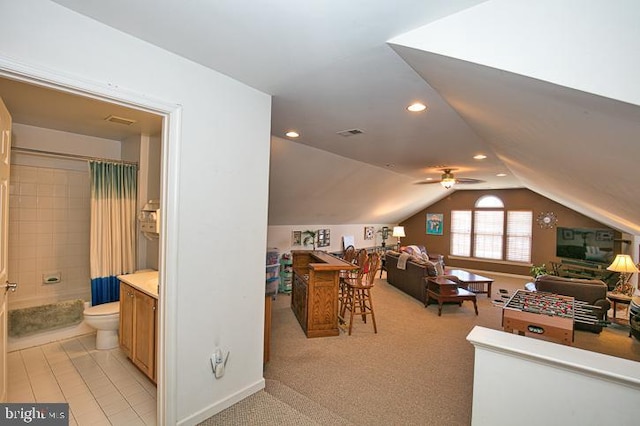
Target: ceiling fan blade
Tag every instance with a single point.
(467, 181)
(459, 181)
(425, 182)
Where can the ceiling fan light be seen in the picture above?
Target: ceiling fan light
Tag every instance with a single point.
(447, 183)
(447, 180)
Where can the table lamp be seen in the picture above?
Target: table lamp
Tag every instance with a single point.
(398, 231)
(623, 264)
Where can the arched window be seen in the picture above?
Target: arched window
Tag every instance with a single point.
(484, 233)
(489, 201)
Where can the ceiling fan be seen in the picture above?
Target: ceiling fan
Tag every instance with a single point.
(447, 180)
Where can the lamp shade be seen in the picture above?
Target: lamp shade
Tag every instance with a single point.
(623, 263)
(398, 231)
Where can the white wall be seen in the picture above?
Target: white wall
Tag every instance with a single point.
(24, 136)
(216, 204)
(280, 237)
(575, 44)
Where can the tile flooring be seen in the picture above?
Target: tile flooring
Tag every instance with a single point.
(101, 387)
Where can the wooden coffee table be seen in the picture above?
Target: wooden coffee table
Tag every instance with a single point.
(471, 281)
(444, 290)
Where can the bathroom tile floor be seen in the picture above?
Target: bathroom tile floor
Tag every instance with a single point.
(101, 387)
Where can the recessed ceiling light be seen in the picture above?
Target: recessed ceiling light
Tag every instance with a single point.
(292, 134)
(429, 179)
(480, 157)
(501, 174)
(417, 107)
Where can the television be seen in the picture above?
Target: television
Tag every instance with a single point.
(589, 244)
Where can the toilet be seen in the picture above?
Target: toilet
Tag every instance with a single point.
(105, 319)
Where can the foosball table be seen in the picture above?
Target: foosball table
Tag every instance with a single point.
(545, 315)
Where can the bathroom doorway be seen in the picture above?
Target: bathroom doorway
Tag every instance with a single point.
(38, 117)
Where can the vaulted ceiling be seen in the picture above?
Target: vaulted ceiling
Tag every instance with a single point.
(547, 91)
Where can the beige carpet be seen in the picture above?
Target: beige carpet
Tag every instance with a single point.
(417, 370)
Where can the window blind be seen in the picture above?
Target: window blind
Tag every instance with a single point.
(519, 226)
(488, 234)
(461, 233)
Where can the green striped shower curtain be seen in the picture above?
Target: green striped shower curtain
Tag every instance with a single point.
(113, 227)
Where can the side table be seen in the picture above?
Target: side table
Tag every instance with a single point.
(444, 290)
(616, 298)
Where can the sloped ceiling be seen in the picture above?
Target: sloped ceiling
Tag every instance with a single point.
(574, 147)
(546, 89)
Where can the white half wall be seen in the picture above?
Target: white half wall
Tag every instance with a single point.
(526, 381)
(215, 203)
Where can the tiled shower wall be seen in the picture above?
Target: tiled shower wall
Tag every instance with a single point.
(49, 214)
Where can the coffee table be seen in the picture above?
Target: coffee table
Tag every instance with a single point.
(471, 281)
(444, 290)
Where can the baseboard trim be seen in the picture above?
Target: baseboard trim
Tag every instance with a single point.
(214, 409)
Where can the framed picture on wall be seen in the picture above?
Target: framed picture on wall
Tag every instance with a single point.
(324, 238)
(368, 232)
(435, 223)
(296, 238)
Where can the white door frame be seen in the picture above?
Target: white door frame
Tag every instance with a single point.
(171, 113)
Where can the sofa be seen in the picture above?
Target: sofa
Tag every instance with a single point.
(594, 292)
(411, 279)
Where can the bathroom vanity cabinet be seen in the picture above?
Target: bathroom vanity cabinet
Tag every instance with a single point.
(138, 324)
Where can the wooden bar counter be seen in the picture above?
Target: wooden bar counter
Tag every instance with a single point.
(314, 293)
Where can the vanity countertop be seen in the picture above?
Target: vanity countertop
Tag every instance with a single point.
(146, 282)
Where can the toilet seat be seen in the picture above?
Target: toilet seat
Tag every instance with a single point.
(103, 309)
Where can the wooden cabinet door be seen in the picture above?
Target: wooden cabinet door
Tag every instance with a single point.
(126, 319)
(144, 339)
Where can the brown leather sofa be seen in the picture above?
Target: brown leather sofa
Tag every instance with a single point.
(411, 279)
(594, 292)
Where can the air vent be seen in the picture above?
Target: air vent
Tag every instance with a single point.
(120, 120)
(350, 132)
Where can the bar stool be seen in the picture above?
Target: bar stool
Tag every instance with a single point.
(358, 299)
(358, 258)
